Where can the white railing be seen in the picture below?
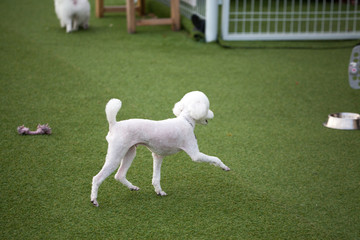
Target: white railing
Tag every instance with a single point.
(249, 20)
(290, 19)
(204, 9)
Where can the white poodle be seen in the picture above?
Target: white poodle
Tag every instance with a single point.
(162, 138)
(73, 13)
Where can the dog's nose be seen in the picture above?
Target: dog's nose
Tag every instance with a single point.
(210, 115)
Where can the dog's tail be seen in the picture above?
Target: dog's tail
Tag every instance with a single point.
(111, 109)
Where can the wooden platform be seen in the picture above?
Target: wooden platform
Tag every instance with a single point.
(130, 9)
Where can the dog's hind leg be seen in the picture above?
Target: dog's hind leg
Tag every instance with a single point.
(156, 174)
(76, 24)
(124, 167)
(112, 162)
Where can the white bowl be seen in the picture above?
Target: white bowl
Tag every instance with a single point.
(343, 121)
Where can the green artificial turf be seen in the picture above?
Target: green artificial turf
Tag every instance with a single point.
(290, 178)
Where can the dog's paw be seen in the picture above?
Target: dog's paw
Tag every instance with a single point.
(134, 188)
(226, 168)
(95, 203)
(161, 193)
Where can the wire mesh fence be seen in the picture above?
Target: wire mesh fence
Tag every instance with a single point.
(278, 19)
(290, 19)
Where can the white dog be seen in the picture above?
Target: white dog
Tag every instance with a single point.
(162, 138)
(73, 13)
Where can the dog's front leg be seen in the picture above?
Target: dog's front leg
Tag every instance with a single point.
(62, 24)
(68, 28)
(156, 174)
(201, 157)
(68, 23)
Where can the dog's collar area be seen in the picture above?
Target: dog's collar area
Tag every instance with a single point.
(191, 124)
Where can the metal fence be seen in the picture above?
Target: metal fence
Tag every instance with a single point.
(248, 20)
(290, 19)
(190, 7)
(204, 9)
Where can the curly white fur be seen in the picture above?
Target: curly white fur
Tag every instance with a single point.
(162, 138)
(73, 13)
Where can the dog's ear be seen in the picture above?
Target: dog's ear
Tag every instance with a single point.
(178, 107)
(198, 110)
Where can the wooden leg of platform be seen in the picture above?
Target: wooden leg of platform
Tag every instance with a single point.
(141, 7)
(130, 16)
(175, 15)
(99, 8)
